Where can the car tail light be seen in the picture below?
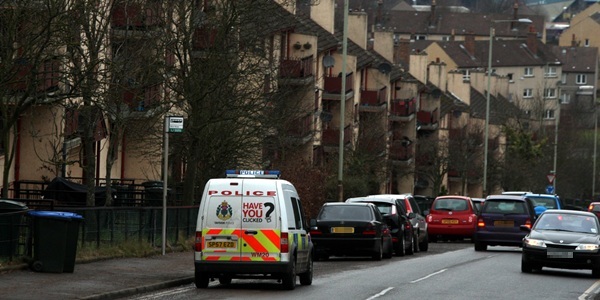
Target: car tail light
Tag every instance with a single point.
(429, 218)
(198, 241)
(480, 222)
(590, 207)
(315, 232)
(407, 226)
(284, 242)
(370, 230)
(471, 217)
(395, 239)
(528, 223)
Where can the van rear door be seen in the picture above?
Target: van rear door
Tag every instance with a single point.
(260, 220)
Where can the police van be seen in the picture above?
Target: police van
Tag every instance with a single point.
(251, 225)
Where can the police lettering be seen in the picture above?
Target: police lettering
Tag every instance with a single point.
(239, 193)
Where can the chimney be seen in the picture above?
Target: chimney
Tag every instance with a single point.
(357, 28)
(323, 12)
(403, 51)
(515, 13)
(452, 35)
(532, 40)
(470, 43)
(573, 41)
(432, 15)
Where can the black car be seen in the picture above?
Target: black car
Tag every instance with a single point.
(397, 219)
(353, 229)
(564, 239)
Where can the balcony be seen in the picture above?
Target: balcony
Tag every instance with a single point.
(403, 110)
(373, 100)
(332, 88)
(135, 16)
(46, 79)
(427, 120)
(300, 130)
(204, 38)
(143, 98)
(331, 137)
(297, 71)
(401, 154)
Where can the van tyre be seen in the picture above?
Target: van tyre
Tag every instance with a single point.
(201, 280)
(378, 254)
(306, 277)
(288, 280)
(424, 245)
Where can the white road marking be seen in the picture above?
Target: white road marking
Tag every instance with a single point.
(432, 274)
(380, 293)
(592, 290)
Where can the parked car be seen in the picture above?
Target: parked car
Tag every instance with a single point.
(451, 217)
(350, 229)
(542, 202)
(565, 239)
(419, 224)
(478, 202)
(594, 208)
(515, 193)
(424, 203)
(498, 223)
(397, 220)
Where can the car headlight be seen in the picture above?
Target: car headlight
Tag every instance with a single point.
(535, 243)
(587, 247)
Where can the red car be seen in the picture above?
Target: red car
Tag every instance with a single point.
(451, 217)
(595, 208)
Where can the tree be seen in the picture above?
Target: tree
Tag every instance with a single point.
(432, 161)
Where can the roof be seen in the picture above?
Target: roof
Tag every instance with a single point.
(576, 59)
(370, 199)
(500, 108)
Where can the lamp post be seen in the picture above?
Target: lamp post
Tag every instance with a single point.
(343, 106)
(487, 99)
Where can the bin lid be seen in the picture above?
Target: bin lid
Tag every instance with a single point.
(11, 206)
(55, 215)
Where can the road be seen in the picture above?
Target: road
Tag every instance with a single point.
(448, 271)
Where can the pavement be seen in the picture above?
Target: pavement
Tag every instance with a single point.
(100, 279)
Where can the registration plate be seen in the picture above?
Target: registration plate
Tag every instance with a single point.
(504, 223)
(449, 221)
(221, 244)
(342, 229)
(559, 254)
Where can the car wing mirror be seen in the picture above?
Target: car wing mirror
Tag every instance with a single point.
(411, 215)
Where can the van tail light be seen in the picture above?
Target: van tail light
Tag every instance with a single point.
(528, 223)
(480, 223)
(370, 230)
(285, 247)
(198, 241)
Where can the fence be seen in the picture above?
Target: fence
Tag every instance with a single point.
(111, 226)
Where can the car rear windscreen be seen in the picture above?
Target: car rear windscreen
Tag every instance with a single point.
(450, 204)
(504, 207)
(345, 212)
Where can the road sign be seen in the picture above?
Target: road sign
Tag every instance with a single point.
(550, 178)
(175, 124)
(549, 189)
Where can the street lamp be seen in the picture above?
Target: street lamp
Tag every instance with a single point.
(487, 98)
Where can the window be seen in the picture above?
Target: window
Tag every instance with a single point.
(527, 112)
(563, 78)
(586, 43)
(294, 216)
(581, 79)
(510, 77)
(466, 75)
(420, 37)
(549, 114)
(565, 98)
(527, 93)
(528, 72)
(550, 72)
(445, 38)
(550, 93)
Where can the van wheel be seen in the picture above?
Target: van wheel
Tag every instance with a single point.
(400, 250)
(225, 280)
(424, 245)
(306, 277)
(289, 279)
(378, 254)
(201, 280)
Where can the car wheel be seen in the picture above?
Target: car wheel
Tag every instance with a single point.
(410, 250)
(225, 280)
(416, 244)
(390, 250)
(479, 246)
(424, 245)
(400, 250)
(201, 280)
(306, 277)
(378, 254)
(288, 280)
(596, 272)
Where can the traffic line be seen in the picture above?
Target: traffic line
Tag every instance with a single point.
(430, 275)
(593, 290)
(380, 293)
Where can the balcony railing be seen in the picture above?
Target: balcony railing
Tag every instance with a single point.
(135, 16)
(373, 99)
(45, 79)
(333, 85)
(427, 120)
(140, 99)
(331, 137)
(403, 109)
(296, 68)
(204, 38)
(301, 129)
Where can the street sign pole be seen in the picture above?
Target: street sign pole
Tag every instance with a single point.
(172, 125)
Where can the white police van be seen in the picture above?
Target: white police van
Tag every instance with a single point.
(251, 225)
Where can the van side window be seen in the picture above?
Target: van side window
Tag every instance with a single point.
(294, 217)
(297, 213)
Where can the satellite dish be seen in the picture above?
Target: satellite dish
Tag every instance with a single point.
(384, 68)
(436, 93)
(328, 61)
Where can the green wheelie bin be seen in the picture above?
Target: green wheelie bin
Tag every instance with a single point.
(54, 241)
(11, 218)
